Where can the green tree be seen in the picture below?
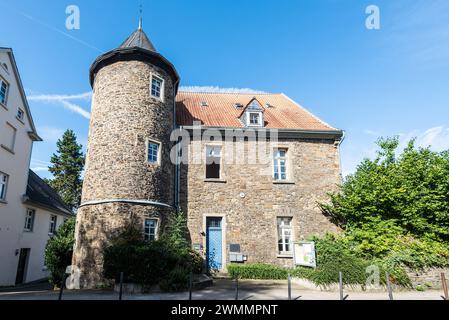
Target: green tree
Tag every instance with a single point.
(67, 166)
(405, 194)
(59, 249)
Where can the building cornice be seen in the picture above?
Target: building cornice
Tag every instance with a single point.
(334, 135)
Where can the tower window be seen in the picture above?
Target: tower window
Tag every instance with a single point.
(157, 87)
(153, 151)
(150, 229)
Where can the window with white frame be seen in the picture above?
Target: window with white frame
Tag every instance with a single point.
(153, 151)
(29, 220)
(157, 86)
(150, 229)
(3, 185)
(254, 118)
(53, 221)
(3, 91)
(213, 162)
(20, 114)
(284, 225)
(280, 164)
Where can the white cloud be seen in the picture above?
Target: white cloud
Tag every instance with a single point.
(216, 89)
(63, 100)
(371, 132)
(353, 151)
(437, 138)
(50, 134)
(58, 97)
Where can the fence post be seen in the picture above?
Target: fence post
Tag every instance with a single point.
(190, 285)
(289, 287)
(390, 291)
(236, 288)
(444, 284)
(121, 286)
(61, 290)
(340, 282)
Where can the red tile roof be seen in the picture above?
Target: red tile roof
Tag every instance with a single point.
(221, 111)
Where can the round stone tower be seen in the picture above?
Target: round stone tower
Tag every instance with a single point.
(129, 177)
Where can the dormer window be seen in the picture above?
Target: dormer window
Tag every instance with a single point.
(254, 119)
(252, 115)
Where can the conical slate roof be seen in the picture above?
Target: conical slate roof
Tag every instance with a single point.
(138, 39)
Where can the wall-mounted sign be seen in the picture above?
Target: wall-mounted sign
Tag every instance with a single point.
(304, 253)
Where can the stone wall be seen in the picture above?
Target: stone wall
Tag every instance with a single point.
(250, 201)
(429, 277)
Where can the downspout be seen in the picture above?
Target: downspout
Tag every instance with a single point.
(339, 154)
(177, 166)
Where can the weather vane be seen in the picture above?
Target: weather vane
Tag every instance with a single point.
(140, 16)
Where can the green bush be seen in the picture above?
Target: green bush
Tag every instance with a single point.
(257, 271)
(177, 279)
(333, 256)
(167, 262)
(58, 251)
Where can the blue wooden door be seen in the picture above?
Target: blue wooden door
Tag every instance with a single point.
(214, 243)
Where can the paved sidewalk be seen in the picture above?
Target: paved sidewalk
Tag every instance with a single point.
(223, 289)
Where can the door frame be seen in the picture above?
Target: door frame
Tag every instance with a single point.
(25, 267)
(223, 236)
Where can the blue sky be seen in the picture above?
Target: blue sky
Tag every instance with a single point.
(371, 83)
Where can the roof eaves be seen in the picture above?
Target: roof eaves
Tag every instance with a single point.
(33, 133)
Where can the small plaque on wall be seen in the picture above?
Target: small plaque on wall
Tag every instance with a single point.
(198, 247)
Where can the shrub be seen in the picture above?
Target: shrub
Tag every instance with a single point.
(58, 251)
(176, 280)
(257, 271)
(167, 262)
(333, 256)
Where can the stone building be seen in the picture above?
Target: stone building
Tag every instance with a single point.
(248, 170)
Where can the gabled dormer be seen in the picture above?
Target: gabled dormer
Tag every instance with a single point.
(253, 114)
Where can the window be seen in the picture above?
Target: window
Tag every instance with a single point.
(280, 164)
(29, 220)
(3, 91)
(153, 152)
(53, 220)
(20, 114)
(150, 229)
(254, 119)
(157, 87)
(284, 235)
(213, 160)
(3, 185)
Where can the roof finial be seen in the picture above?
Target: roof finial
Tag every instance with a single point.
(140, 17)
